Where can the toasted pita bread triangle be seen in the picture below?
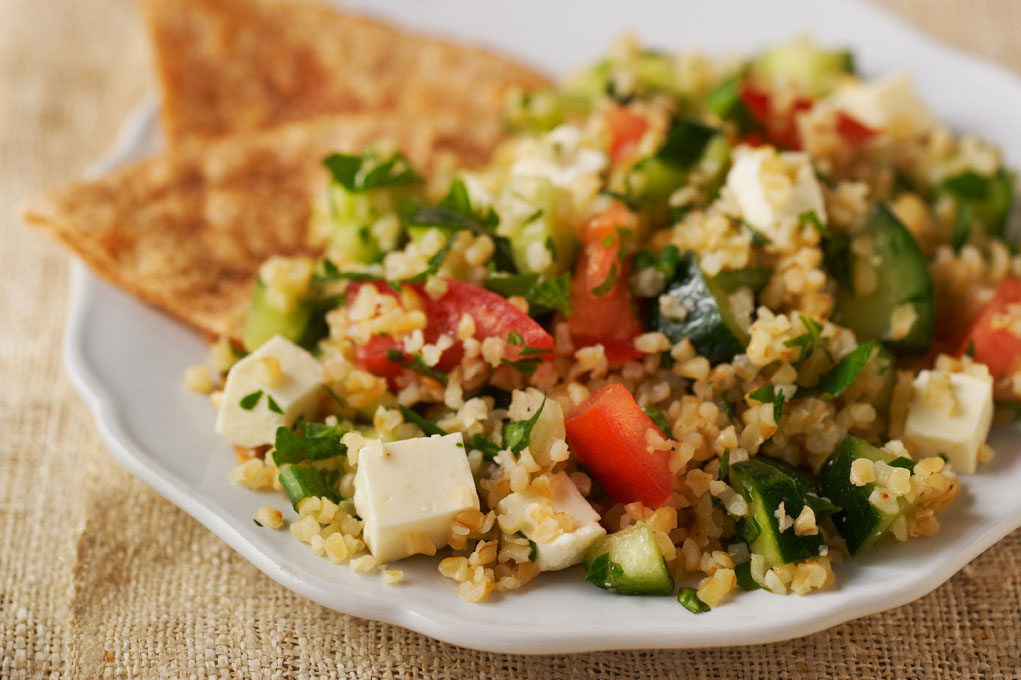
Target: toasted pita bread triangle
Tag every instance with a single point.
(187, 231)
(235, 65)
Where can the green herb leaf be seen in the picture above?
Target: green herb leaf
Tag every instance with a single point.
(758, 238)
(658, 419)
(416, 363)
(970, 349)
(808, 341)
(533, 551)
(608, 283)
(962, 225)
(551, 295)
(333, 395)
(688, 597)
(844, 373)
(429, 428)
(604, 573)
(724, 465)
(368, 171)
(685, 142)
(482, 443)
(526, 367)
(528, 351)
(812, 218)
(767, 394)
(515, 338)
(300, 481)
(273, 405)
(318, 442)
(755, 278)
(257, 522)
(518, 434)
(748, 529)
(249, 401)
(745, 581)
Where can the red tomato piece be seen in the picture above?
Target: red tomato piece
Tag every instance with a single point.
(372, 357)
(608, 434)
(494, 317)
(782, 131)
(626, 130)
(994, 344)
(608, 319)
(852, 130)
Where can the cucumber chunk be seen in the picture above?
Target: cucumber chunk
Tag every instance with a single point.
(766, 487)
(859, 522)
(540, 242)
(809, 488)
(812, 70)
(343, 220)
(264, 320)
(629, 562)
(871, 287)
(688, 143)
(706, 320)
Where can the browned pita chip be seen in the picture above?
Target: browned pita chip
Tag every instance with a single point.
(187, 231)
(234, 65)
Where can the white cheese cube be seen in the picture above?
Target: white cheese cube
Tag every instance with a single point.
(958, 436)
(414, 486)
(519, 512)
(774, 189)
(281, 371)
(888, 104)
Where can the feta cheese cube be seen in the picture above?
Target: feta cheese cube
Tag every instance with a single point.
(415, 486)
(774, 189)
(518, 512)
(281, 371)
(888, 104)
(957, 435)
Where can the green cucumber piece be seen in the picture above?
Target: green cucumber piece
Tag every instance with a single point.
(709, 322)
(629, 562)
(859, 522)
(344, 220)
(765, 487)
(264, 320)
(808, 486)
(812, 70)
(687, 143)
(901, 277)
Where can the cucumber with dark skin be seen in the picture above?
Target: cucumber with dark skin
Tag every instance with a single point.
(859, 522)
(629, 562)
(809, 488)
(766, 487)
(707, 322)
(899, 276)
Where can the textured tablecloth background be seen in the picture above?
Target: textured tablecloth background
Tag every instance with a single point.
(101, 577)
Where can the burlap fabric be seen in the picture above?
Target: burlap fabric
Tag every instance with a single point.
(101, 577)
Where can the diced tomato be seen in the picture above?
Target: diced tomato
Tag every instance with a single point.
(608, 434)
(608, 319)
(372, 357)
(494, 317)
(781, 131)
(853, 131)
(994, 343)
(626, 129)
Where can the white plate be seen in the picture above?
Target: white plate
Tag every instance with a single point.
(127, 360)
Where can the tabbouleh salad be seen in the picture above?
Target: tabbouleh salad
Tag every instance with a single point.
(701, 324)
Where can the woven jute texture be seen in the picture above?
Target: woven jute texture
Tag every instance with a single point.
(102, 578)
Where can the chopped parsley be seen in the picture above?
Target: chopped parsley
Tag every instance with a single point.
(368, 171)
(543, 295)
(317, 442)
(847, 371)
(249, 401)
(808, 341)
(604, 572)
(484, 444)
(688, 597)
(608, 283)
(518, 434)
(429, 428)
(758, 238)
(767, 394)
(658, 419)
(812, 218)
(273, 405)
(416, 363)
(745, 581)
